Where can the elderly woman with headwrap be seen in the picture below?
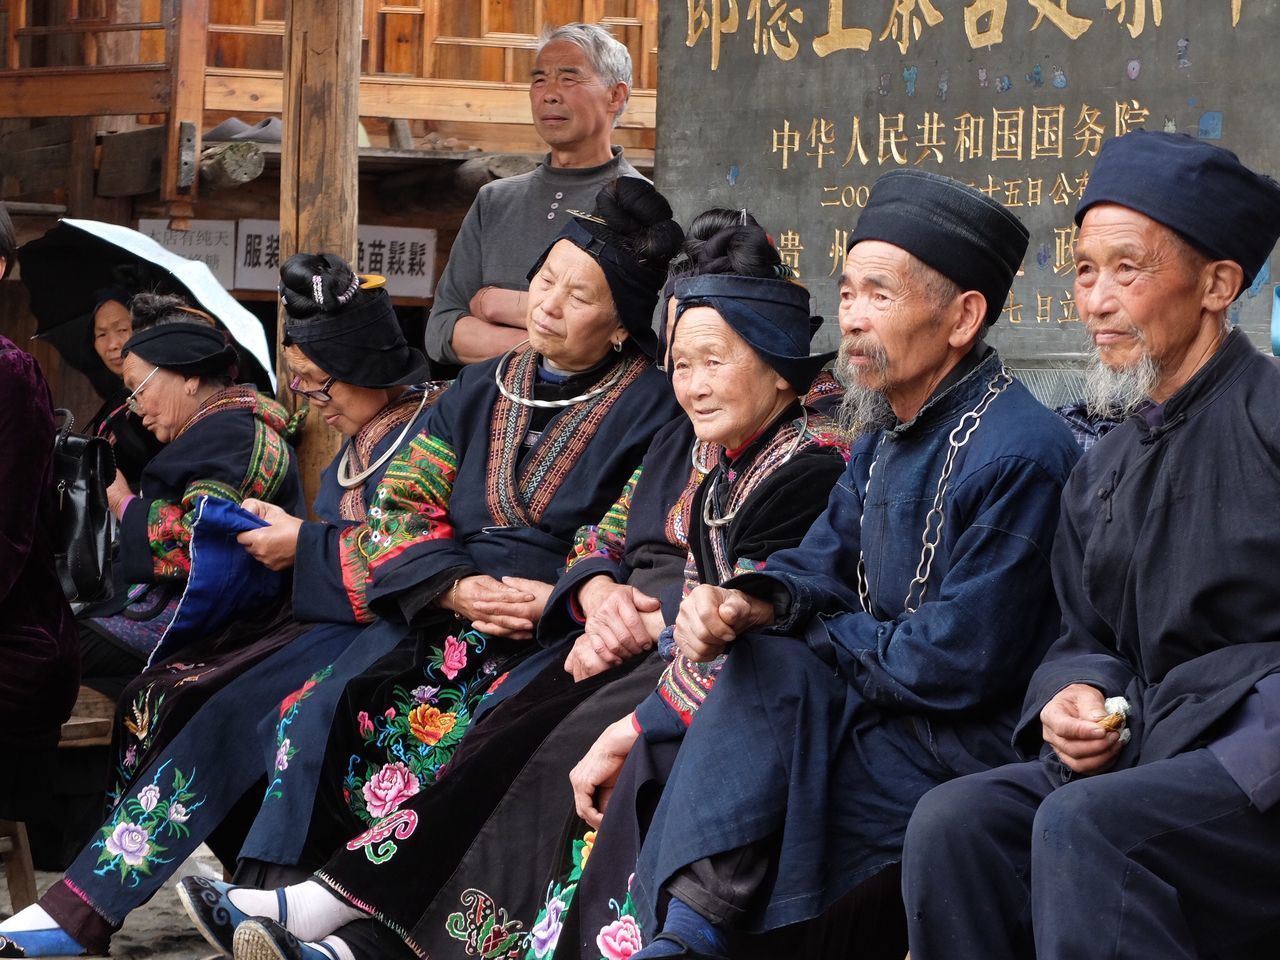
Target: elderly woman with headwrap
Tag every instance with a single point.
(469, 530)
(771, 462)
(220, 439)
(181, 757)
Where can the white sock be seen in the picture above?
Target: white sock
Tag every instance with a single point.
(340, 948)
(314, 912)
(28, 919)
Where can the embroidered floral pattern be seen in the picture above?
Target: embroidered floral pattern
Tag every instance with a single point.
(285, 748)
(406, 747)
(485, 929)
(401, 824)
(133, 842)
(546, 929)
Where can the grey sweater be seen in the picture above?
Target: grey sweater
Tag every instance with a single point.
(510, 224)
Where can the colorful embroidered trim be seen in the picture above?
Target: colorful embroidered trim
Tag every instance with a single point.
(411, 504)
(392, 417)
(519, 500)
(608, 538)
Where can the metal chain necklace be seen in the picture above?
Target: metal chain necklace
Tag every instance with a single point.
(931, 536)
(500, 369)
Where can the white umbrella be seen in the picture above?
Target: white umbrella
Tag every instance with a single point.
(198, 279)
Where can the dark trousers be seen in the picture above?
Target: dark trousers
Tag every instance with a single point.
(1165, 860)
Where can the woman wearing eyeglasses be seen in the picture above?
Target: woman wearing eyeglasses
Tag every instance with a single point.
(220, 438)
(189, 723)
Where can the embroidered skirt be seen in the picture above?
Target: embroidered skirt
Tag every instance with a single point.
(433, 870)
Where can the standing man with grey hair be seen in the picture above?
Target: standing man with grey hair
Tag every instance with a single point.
(1149, 824)
(579, 86)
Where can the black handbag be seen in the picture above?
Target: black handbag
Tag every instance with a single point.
(83, 468)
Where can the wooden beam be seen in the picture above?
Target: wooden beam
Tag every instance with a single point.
(319, 182)
(84, 91)
(180, 174)
(413, 99)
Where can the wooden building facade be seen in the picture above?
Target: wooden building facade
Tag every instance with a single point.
(104, 105)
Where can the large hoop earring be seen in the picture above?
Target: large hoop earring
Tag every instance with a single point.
(617, 346)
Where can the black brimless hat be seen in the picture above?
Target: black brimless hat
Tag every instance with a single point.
(970, 239)
(772, 316)
(1202, 192)
(359, 342)
(190, 349)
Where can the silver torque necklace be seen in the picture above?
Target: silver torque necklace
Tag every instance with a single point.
(346, 481)
(500, 369)
(933, 522)
(713, 522)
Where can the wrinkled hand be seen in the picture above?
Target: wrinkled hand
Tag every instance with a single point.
(504, 608)
(274, 546)
(711, 618)
(1070, 725)
(506, 308)
(118, 492)
(596, 774)
(622, 622)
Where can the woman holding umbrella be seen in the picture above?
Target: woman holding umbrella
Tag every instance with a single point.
(221, 439)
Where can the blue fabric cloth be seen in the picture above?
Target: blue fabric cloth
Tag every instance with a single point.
(828, 736)
(225, 581)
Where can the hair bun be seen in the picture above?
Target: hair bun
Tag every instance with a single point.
(312, 283)
(641, 218)
(742, 250)
(152, 309)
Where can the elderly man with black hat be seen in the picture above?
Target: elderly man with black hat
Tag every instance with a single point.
(890, 650)
(1148, 826)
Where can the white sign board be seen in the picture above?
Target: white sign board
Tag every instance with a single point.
(213, 242)
(404, 255)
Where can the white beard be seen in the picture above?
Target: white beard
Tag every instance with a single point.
(1118, 393)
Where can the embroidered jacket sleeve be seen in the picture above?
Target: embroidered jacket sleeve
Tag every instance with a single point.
(229, 456)
(774, 517)
(959, 650)
(407, 544)
(332, 574)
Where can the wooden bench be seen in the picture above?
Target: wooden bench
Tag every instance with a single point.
(89, 726)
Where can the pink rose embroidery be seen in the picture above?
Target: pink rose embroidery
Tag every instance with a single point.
(455, 657)
(365, 724)
(388, 788)
(131, 842)
(620, 939)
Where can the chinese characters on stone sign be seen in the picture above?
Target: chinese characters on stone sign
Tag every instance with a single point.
(846, 25)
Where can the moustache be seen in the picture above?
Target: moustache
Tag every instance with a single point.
(865, 346)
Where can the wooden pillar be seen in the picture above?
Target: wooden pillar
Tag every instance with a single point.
(319, 164)
(188, 39)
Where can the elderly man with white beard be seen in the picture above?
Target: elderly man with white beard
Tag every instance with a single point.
(890, 651)
(1149, 824)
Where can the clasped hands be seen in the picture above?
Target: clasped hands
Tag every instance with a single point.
(509, 607)
(1070, 725)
